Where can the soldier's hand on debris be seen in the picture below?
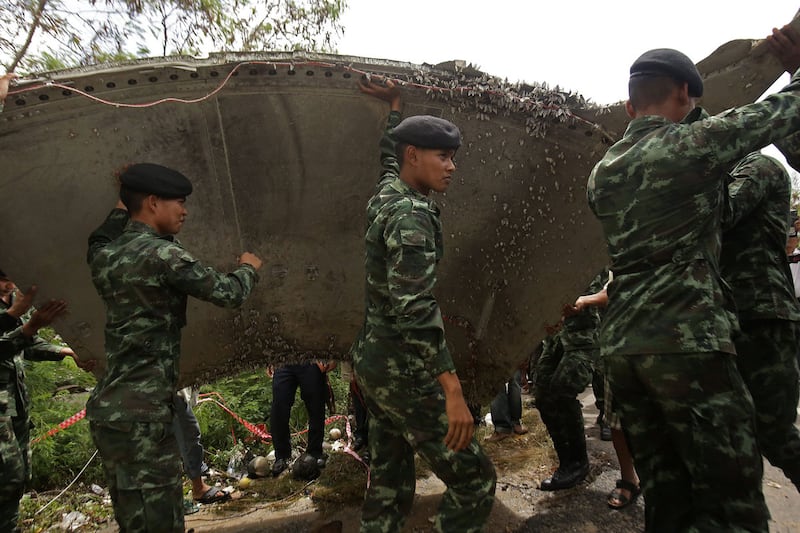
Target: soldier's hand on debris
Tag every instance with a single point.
(22, 302)
(250, 259)
(5, 80)
(572, 310)
(388, 92)
(785, 44)
(88, 365)
(44, 316)
(326, 367)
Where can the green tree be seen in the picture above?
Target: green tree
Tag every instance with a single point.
(46, 34)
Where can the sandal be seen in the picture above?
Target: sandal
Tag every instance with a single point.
(213, 495)
(617, 500)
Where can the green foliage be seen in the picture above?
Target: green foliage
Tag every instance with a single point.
(52, 33)
(57, 459)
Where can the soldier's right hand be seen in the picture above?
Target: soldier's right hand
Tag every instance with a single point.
(388, 92)
(248, 258)
(44, 316)
(785, 45)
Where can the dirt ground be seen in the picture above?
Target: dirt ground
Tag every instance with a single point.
(519, 507)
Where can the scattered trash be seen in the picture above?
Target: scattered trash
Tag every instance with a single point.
(235, 464)
(97, 489)
(73, 520)
(258, 467)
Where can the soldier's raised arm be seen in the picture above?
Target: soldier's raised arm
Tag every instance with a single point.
(390, 94)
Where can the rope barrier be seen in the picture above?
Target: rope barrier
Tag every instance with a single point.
(63, 425)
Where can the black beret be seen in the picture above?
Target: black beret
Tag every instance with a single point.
(427, 131)
(156, 179)
(669, 62)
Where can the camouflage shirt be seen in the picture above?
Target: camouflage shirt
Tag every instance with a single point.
(753, 259)
(144, 279)
(403, 246)
(659, 194)
(15, 348)
(580, 332)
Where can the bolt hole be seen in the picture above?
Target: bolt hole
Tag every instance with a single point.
(272, 72)
(66, 92)
(292, 72)
(309, 73)
(152, 79)
(111, 85)
(173, 76)
(19, 101)
(88, 88)
(132, 82)
(328, 73)
(194, 75)
(347, 75)
(213, 73)
(43, 97)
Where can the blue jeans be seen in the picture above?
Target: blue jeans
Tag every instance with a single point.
(506, 407)
(187, 432)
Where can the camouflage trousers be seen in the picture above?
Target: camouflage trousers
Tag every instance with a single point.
(142, 465)
(767, 360)
(407, 415)
(560, 377)
(689, 422)
(14, 468)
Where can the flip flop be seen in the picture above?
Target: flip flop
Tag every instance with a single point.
(617, 500)
(213, 495)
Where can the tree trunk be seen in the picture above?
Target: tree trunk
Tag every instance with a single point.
(37, 19)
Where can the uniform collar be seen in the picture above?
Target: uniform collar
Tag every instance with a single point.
(140, 227)
(647, 123)
(404, 188)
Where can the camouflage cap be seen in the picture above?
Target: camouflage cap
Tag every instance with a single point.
(427, 131)
(669, 62)
(156, 179)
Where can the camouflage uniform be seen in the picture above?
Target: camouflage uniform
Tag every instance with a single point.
(403, 352)
(753, 261)
(14, 418)
(144, 280)
(667, 333)
(563, 371)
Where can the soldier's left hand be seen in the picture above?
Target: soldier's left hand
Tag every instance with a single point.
(87, 366)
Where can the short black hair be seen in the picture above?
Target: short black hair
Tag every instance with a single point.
(644, 91)
(400, 152)
(133, 200)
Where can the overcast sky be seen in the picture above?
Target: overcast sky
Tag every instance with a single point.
(581, 45)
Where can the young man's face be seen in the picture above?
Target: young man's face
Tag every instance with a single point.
(433, 168)
(170, 214)
(6, 287)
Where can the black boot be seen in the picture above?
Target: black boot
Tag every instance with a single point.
(573, 460)
(566, 476)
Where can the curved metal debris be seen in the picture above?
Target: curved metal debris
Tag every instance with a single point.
(283, 159)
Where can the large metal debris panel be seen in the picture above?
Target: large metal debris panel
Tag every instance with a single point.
(284, 158)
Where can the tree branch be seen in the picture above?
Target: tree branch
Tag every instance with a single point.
(37, 19)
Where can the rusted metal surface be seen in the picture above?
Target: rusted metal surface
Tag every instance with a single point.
(283, 159)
